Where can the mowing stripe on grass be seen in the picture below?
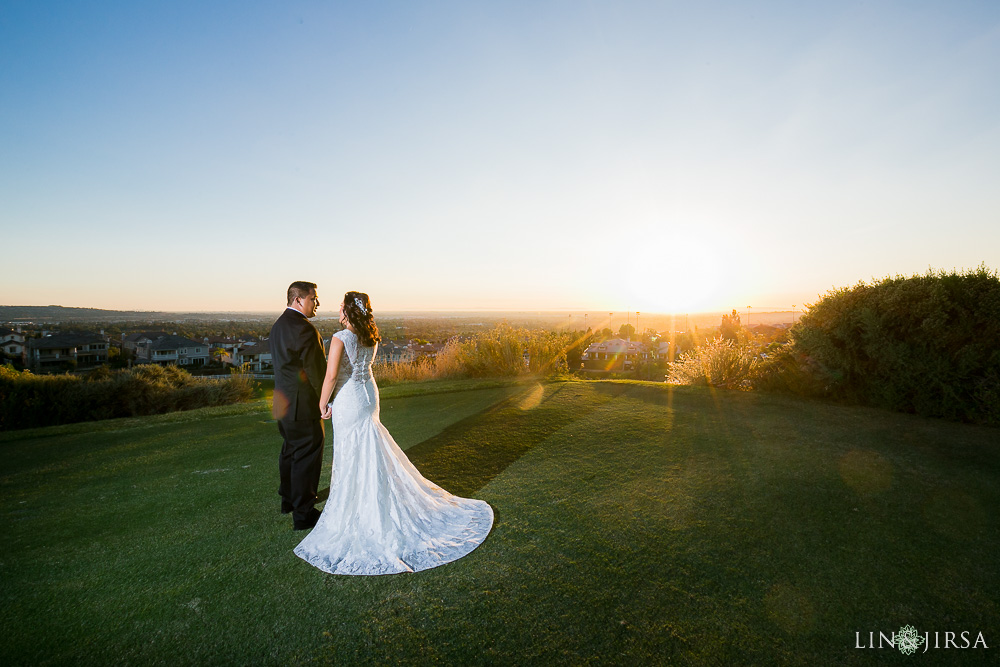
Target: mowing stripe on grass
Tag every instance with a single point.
(467, 455)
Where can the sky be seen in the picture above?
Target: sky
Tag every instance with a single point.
(544, 155)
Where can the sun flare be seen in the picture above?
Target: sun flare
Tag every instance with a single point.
(686, 274)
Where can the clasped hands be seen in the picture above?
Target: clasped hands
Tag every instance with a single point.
(326, 410)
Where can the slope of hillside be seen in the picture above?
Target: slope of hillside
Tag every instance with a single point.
(634, 522)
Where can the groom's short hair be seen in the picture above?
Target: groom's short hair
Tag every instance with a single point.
(299, 288)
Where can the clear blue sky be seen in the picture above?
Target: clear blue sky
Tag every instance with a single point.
(651, 156)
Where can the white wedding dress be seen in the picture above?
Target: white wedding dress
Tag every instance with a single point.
(382, 516)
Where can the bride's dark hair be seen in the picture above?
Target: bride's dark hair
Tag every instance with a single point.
(358, 310)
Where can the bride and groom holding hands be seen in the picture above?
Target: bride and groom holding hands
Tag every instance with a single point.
(382, 516)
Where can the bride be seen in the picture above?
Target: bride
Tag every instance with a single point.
(382, 516)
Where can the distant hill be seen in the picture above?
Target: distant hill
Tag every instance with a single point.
(529, 319)
(58, 313)
(65, 314)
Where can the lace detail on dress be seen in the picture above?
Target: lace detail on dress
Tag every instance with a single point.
(383, 516)
(358, 359)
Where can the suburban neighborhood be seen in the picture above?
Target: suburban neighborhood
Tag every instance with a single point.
(46, 349)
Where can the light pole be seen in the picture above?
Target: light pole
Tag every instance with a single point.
(793, 313)
(748, 316)
(638, 338)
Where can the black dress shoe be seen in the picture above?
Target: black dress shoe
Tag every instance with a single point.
(286, 509)
(310, 521)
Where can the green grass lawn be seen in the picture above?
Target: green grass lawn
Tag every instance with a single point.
(634, 524)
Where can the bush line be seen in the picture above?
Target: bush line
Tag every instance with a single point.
(28, 400)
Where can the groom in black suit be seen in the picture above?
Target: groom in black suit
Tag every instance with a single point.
(299, 367)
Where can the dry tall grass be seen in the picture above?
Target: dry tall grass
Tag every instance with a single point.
(503, 351)
(718, 363)
(418, 370)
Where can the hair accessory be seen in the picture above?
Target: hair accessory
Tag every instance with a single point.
(361, 305)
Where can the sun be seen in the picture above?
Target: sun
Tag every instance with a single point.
(682, 275)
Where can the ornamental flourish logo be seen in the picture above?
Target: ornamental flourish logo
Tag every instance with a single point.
(908, 640)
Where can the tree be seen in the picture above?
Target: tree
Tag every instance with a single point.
(626, 331)
(116, 357)
(12, 360)
(730, 327)
(574, 352)
(927, 344)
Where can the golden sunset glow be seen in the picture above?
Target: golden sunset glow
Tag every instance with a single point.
(654, 156)
(680, 273)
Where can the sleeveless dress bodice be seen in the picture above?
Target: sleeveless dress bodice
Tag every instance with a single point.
(382, 516)
(355, 377)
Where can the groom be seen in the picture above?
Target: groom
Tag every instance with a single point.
(299, 367)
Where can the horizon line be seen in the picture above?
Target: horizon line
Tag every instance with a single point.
(569, 311)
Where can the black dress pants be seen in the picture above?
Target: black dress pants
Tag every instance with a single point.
(299, 465)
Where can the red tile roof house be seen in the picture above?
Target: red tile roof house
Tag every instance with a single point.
(392, 352)
(615, 354)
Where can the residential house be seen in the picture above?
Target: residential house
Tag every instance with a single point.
(12, 344)
(136, 344)
(256, 356)
(223, 348)
(67, 350)
(615, 355)
(425, 349)
(171, 349)
(393, 352)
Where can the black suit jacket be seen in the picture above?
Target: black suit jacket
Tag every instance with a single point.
(299, 367)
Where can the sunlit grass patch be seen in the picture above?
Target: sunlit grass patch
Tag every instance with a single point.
(635, 523)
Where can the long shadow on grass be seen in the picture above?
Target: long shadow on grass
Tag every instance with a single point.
(660, 394)
(467, 455)
(656, 394)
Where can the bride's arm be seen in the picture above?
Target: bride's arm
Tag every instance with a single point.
(330, 381)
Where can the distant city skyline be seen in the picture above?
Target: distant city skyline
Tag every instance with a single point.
(522, 156)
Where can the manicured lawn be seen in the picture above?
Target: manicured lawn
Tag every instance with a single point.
(634, 524)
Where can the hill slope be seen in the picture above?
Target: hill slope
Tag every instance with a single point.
(633, 523)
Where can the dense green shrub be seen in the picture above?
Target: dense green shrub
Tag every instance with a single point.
(926, 344)
(28, 400)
